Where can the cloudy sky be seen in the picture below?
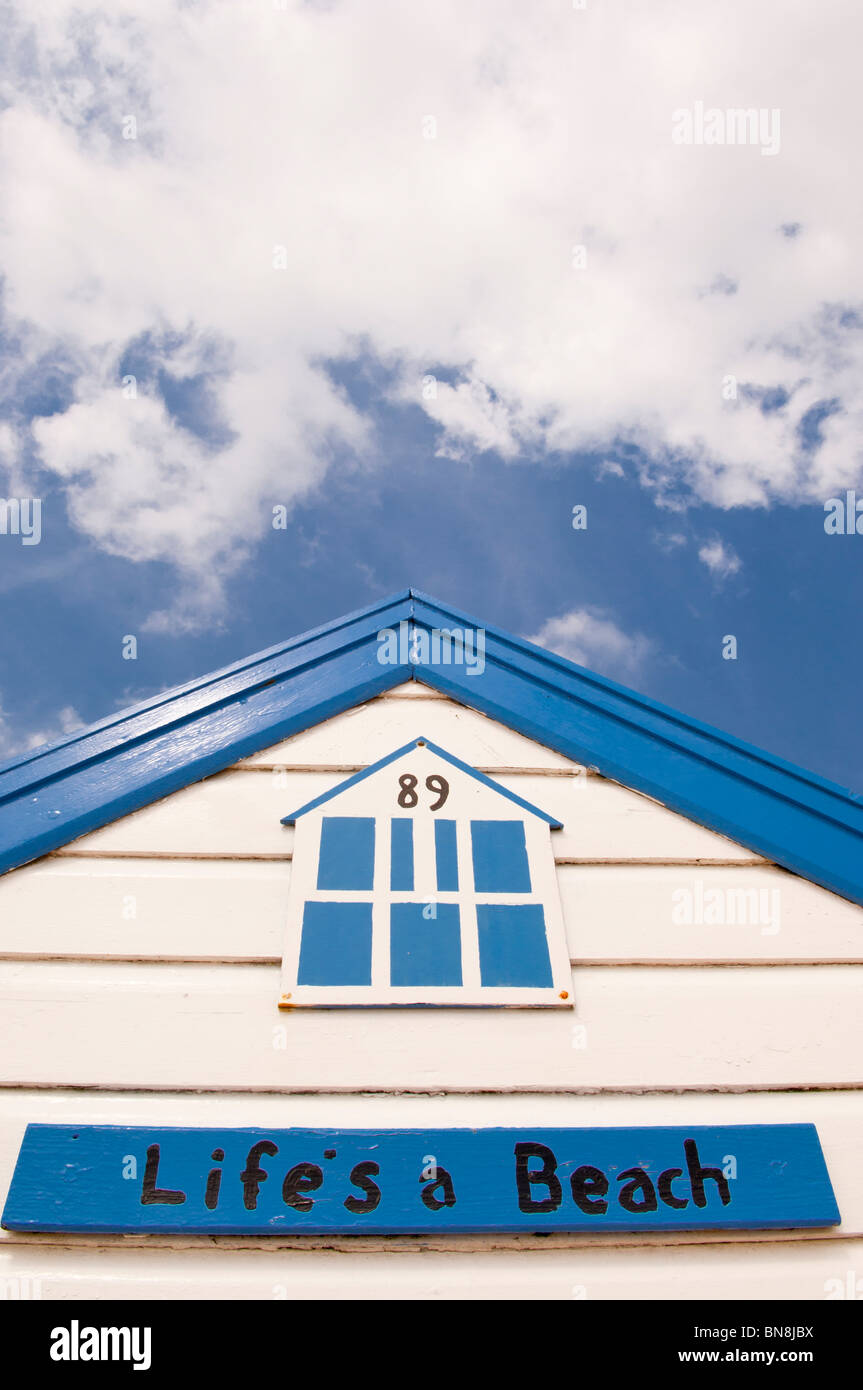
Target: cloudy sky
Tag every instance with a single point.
(417, 281)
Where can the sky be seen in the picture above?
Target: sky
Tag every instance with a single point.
(302, 304)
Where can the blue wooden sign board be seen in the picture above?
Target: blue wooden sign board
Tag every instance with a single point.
(386, 1182)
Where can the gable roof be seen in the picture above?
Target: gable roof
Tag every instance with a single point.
(125, 762)
(401, 753)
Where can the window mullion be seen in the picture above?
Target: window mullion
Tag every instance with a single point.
(471, 979)
(381, 906)
(425, 876)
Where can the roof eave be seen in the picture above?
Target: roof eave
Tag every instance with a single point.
(132, 759)
(788, 815)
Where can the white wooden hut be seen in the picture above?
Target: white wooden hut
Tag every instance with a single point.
(219, 909)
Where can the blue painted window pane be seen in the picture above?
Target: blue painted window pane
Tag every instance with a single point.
(446, 856)
(425, 951)
(347, 858)
(499, 856)
(336, 946)
(512, 946)
(402, 854)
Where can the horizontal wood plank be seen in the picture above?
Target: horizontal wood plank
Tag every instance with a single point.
(239, 812)
(690, 914)
(633, 1028)
(807, 1271)
(234, 910)
(774, 1269)
(372, 732)
(142, 909)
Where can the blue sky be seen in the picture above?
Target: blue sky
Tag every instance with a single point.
(390, 333)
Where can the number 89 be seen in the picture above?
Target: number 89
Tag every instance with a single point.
(408, 798)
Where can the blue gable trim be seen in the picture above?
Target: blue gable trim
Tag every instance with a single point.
(793, 817)
(95, 776)
(400, 753)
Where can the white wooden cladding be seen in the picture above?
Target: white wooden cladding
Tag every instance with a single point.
(470, 736)
(838, 1116)
(157, 909)
(234, 910)
(202, 1027)
(691, 913)
(238, 812)
(204, 876)
(415, 690)
(753, 1271)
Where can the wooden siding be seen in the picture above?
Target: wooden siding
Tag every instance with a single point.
(239, 811)
(217, 1026)
(139, 984)
(755, 1271)
(219, 909)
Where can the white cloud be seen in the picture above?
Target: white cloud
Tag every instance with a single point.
(669, 541)
(610, 468)
(304, 128)
(16, 741)
(721, 559)
(590, 638)
(8, 744)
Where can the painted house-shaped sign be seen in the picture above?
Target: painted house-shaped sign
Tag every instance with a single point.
(422, 881)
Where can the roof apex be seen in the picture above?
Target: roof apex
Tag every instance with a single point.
(130, 759)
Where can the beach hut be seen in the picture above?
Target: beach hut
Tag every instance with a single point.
(408, 959)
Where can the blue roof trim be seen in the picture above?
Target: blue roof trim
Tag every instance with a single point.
(791, 816)
(93, 777)
(125, 762)
(440, 753)
(231, 678)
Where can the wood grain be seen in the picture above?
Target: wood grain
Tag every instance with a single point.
(632, 1028)
(239, 812)
(366, 730)
(234, 910)
(767, 1270)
